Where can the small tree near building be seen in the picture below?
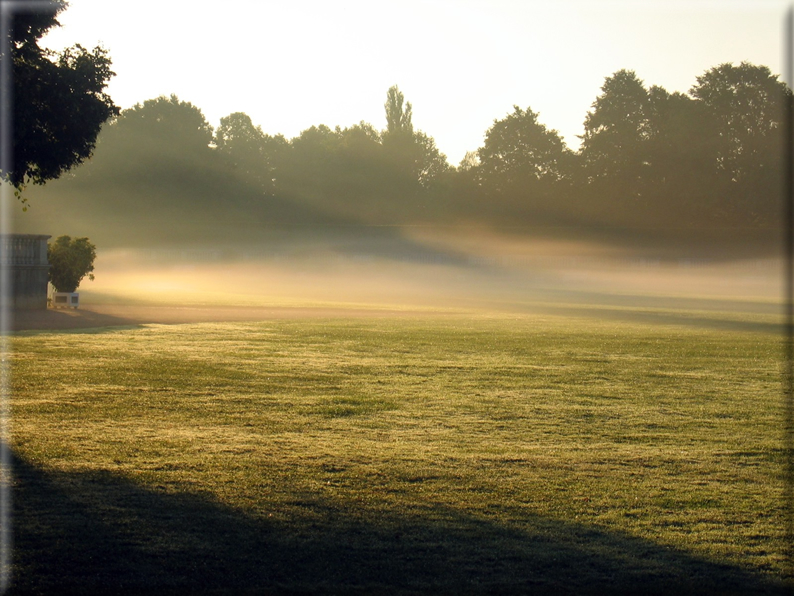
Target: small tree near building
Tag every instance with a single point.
(70, 261)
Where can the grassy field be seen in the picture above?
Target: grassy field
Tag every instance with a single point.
(448, 452)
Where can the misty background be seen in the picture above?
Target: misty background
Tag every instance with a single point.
(659, 179)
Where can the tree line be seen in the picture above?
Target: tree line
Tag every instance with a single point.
(650, 161)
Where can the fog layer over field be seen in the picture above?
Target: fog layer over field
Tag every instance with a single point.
(423, 268)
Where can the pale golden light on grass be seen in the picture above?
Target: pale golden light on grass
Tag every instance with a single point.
(339, 427)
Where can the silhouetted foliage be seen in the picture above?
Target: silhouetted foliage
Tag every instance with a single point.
(613, 145)
(359, 173)
(359, 160)
(650, 160)
(398, 116)
(252, 154)
(413, 163)
(310, 171)
(676, 183)
(155, 165)
(523, 166)
(746, 106)
(155, 144)
(710, 158)
(59, 102)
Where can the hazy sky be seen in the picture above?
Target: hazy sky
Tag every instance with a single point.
(461, 63)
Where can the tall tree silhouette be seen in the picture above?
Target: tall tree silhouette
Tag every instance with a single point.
(413, 162)
(398, 114)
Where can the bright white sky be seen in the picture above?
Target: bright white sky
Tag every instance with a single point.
(461, 63)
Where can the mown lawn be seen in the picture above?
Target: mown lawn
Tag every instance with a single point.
(448, 453)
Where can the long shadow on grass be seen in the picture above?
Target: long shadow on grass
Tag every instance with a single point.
(97, 533)
(37, 320)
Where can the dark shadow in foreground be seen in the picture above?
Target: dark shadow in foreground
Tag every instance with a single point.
(97, 533)
(38, 320)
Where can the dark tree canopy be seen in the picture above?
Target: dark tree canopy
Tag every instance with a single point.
(164, 140)
(168, 120)
(238, 133)
(520, 151)
(522, 170)
(709, 157)
(252, 154)
(747, 101)
(615, 129)
(746, 106)
(59, 100)
(677, 153)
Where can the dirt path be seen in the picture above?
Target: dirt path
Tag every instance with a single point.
(106, 315)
